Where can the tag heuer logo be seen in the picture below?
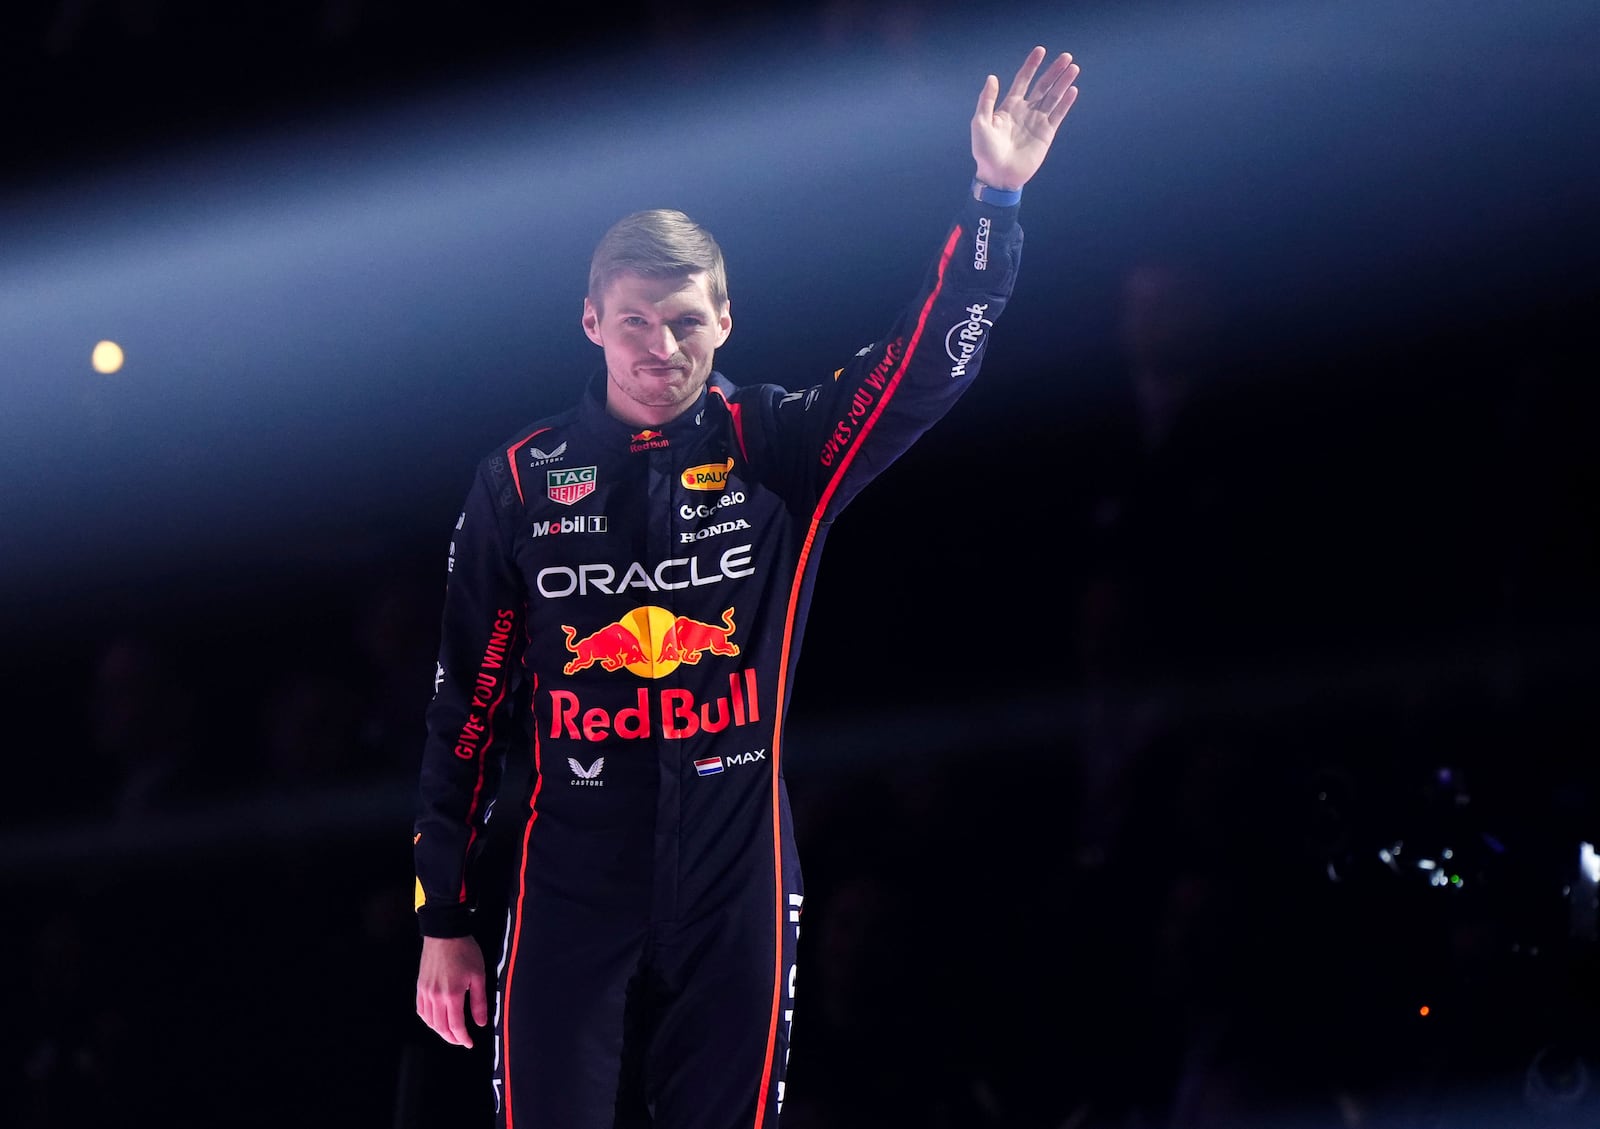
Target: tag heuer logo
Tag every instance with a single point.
(569, 486)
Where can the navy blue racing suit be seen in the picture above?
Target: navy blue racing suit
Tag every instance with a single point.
(626, 607)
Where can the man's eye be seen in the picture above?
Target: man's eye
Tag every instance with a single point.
(633, 322)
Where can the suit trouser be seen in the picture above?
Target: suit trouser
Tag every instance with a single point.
(606, 1020)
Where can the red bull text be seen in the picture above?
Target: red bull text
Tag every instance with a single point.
(677, 713)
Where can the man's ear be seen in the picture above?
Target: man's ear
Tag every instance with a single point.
(591, 322)
(724, 324)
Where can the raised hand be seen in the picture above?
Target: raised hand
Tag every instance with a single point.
(1010, 139)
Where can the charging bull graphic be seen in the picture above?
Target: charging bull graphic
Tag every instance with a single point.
(688, 639)
(650, 641)
(613, 647)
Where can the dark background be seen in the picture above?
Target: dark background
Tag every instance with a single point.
(1258, 569)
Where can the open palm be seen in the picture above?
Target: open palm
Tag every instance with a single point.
(1011, 137)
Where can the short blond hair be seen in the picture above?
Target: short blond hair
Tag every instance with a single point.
(657, 243)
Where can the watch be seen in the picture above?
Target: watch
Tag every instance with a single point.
(988, 194)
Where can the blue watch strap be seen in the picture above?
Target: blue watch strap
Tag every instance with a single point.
(1003, 197)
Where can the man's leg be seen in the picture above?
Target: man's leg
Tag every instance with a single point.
(561, 1014)
(721, 1047)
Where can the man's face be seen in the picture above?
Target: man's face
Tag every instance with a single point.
(659, 336)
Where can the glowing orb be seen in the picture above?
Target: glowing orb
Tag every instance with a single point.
(107, 357)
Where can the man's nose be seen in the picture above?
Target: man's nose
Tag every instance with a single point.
(663, 343)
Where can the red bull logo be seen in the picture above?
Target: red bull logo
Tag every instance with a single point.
(651, 642)
(613, 647)
(647, 440)
(675, 713)
(687, 639)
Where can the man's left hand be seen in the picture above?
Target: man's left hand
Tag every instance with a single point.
(1010, 139)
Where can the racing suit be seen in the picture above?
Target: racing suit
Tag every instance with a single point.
(626, 607)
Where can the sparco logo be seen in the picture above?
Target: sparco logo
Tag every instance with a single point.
(689, 513)
(963, 339)
(980, 253)
(570, 525)
(714, 530)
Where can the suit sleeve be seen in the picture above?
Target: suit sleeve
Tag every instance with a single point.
(470, 720)
(837, 437)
